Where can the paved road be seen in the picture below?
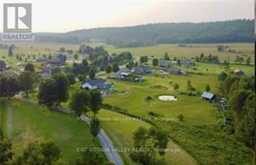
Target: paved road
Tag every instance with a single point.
(9, 121)
(106, 143)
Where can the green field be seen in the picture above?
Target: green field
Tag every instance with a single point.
(205, 68)
(31, 122)
(201, 118)
(198, 139)
(175, 51)
(132, 96)
(120, 128)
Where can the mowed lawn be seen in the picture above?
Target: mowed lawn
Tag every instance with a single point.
(131, 97)
(31, 122)
(120, 128)
(246, 49)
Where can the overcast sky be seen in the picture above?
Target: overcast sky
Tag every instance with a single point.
(67, 15)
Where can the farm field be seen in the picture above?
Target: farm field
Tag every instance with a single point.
(216, 69)
(195, 50)
(31, 122)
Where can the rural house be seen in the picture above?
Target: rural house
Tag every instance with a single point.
(164, 63)
(208, 96)
(186, 62)
(175, 71)
(102, 85)
(59, 59)
(122, 74)
(141, 70)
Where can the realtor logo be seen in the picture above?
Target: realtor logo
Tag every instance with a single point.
(17, 18)
(17, 22)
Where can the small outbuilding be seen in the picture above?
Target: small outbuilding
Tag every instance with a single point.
(238, 72)
(96, 84)
(208, 96)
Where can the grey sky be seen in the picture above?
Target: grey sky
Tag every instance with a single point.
(66, 15)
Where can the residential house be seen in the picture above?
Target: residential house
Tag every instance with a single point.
(2, 65)
(176, 71)
(186, 62)
(141, 70)
(101, 85)
(59, 59)
(123, 73)
(208, 96)
(164, 63)
(42, 59)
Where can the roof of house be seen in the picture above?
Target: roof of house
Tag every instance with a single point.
(208, 95)
(163, 62)
(142, 69)
(99, 84)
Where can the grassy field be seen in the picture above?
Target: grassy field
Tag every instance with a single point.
(32, 122)
(195, 50)
(120, 128)
(205, 68)
(131, 97)
(198, 134)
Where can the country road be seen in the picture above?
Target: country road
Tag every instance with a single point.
(108, 148)
(106, 143)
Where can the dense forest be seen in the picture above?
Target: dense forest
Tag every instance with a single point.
(150, 34)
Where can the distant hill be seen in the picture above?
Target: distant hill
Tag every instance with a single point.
(211, 32)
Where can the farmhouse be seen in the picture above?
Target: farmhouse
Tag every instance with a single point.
(141, 70)
(164, 63)
(2, 65)
(208, 96)
(186, 62)
(59, 59)
(122, 74)
(102, 85)
(175, 71)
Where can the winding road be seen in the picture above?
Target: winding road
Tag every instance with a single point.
(106, 143)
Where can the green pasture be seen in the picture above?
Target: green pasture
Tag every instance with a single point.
(31, 122)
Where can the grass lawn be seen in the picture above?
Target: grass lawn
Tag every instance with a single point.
(131, 97)
(32, 122)
(121, 128)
